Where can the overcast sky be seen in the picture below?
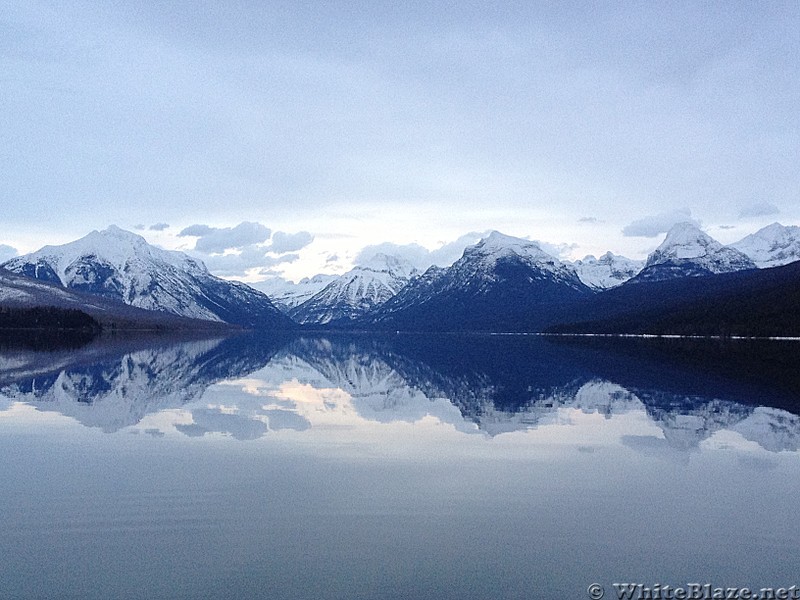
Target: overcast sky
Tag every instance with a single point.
(287, 136)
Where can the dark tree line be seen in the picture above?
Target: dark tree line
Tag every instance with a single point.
(46, 317)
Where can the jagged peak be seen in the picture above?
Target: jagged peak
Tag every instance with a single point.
(687, 232)
(498, 244)
(775, 231)
(119, 233)
(496, 239)
(386, 263)
(604, 259)
(684, 241)
(686, 244)
(772, 245)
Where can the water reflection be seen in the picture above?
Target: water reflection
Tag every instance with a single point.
(246, 386)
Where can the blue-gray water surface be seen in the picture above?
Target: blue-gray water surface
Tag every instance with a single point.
(404, 466)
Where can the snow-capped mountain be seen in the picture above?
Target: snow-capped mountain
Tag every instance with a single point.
(356, 292)
(502, 281)
(20, 292)
(689, 252)
(120, 265)
(610, 270)
(286, 295)
(772, 246)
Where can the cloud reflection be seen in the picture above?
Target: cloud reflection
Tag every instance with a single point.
(244, 388)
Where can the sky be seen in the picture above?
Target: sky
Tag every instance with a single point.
(270, 137)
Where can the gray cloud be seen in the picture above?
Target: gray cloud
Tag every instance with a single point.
(655, 225)
(290, 242)
(216, 240)
(7, 252)
(590, 220)
(762, 209)
(195, 230)
(139, 227)
(209, 420)
(159, 226)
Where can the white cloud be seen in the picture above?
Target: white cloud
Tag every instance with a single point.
(7, 252)
(655, 225)
(419, 256)
(237, 265)
(237, 251)
(562, 251)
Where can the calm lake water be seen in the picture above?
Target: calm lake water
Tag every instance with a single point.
(403, 466)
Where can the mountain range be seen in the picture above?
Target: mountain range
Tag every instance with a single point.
(690, 284)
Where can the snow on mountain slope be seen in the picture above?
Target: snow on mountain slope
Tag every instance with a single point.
(357, 291)
(286, 295)
(497, 246)
(122, 266)
(607, 271)
(502, 281)
(18, 290)
(772, 246)
(688, 252)
(478, 265)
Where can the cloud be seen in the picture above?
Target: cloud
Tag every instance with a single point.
(7, 252)
(589, 220)
(762, 209)
(419, 256)
(290, 242)
(727, 226)
(557, 250)
(216, 240)
(655, 225)
(195, 230)
(237, 265)
(139, 227)
(235, 251)
(159, 226)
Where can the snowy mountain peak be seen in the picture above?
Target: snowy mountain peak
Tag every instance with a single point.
(486, 253)
(688, 251)
(686, 240)
(122, 266)
(351, 295)
(772, 246)
(501, 243)
(114, 247)
(393, 265)
(607, 271)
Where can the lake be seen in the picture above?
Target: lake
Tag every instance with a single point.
(398, 466)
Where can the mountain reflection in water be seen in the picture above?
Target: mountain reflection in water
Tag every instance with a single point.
(246, 386)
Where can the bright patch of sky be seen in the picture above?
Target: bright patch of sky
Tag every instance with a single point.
(341, 125)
